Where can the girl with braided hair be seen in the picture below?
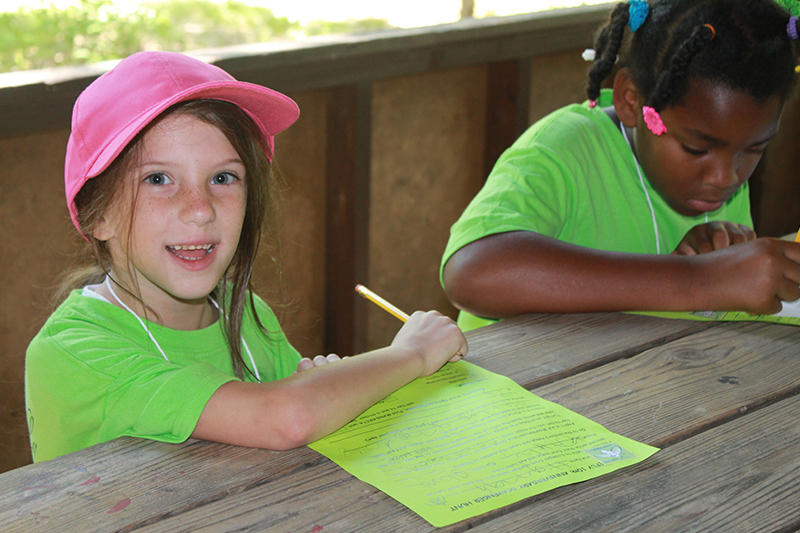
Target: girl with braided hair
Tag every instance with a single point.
(637, 199)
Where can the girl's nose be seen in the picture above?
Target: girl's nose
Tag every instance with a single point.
(724, 174)
(197, 206)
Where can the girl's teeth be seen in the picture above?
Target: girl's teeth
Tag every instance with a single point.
(192, 247)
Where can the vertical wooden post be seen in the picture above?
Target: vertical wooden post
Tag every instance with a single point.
(508, 96)
(467, 9)
(347, 216)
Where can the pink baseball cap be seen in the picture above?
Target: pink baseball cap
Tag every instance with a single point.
(116, 106)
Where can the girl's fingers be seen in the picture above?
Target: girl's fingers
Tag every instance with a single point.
(305, 364)
(720, 237)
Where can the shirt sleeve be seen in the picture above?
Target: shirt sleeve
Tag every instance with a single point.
(530, 189)
(85, 386)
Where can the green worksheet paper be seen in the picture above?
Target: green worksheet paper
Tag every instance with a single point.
(465, 441)
(790, 315)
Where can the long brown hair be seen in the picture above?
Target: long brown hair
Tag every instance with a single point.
(234, 292)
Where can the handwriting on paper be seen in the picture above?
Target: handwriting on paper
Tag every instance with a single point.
(465, 441)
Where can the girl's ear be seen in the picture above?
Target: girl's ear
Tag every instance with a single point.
(627, 100)
(103, 231)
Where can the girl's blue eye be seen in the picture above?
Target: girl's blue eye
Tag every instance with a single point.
(157, 179)
(224, 178)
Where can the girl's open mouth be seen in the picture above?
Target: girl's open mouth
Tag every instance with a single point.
(191, 252)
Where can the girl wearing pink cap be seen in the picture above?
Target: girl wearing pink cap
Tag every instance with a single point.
(168, 177)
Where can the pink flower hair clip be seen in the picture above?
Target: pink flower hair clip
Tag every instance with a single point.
(653, 121)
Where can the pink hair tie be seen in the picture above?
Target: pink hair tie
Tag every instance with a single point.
(653, 121)
(592, 104)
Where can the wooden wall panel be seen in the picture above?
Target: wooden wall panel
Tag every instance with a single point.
(298, 296)
(427, 164)
(556, 80)
(36, 241)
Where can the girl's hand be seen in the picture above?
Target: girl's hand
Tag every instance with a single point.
(754, 277)
(433, 337)
(307, 363)
(714, 235)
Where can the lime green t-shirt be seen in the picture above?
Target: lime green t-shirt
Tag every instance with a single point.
(572, 176)
(92, 374)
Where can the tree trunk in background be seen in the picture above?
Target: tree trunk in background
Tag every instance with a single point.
(467, 8)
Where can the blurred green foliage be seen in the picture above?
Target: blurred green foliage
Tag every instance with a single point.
(97, 30)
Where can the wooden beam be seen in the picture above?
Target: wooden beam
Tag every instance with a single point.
(506, 107)
(41, 100)
(347, 216)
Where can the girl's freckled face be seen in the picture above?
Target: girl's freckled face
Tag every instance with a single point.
(714, 140)
(189, 210)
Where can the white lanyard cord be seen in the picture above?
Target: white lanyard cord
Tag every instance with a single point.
(144, 326)
(244, 343)
(120, 302)
(646, 194)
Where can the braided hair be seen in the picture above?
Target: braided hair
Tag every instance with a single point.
(742, 44)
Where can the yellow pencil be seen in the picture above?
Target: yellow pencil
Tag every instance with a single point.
(380, 302)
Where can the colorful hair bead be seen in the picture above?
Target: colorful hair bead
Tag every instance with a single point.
(653, 121)
(589, 54)
(791, 28)
(637, 13)
(592, 104)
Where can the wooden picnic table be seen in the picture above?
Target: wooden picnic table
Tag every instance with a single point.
(720, 400)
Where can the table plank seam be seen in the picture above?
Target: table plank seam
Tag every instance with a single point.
(743, 410)
(221, 495)
(619, 355)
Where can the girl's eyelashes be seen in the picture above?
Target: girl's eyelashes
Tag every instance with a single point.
(221, 178)
(224, 178)
(157, 178)
(694, 151)
(754, 151)
(757, 150)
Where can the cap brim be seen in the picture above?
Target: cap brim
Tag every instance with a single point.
(272, 112)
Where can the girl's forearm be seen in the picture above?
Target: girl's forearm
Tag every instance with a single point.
(521, 272)
(334, 394)
(306, 406)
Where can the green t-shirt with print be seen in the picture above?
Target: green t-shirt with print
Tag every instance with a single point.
(92, 374)
(572, 176)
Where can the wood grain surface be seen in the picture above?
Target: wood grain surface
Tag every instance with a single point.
(720, 399)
